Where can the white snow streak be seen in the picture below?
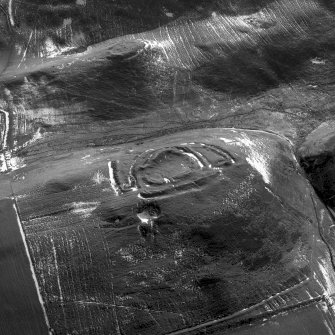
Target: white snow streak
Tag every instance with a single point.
(256, 158)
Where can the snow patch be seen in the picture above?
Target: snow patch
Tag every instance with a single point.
(229, 141)
(257, 158)
(10, 13)
(226, 140)
(195, 158)
(37, 136)
(98, 178)
(326, 271)
(16, 163)
(112, 180)
(3, 167)
(52, 50)
(143, 218)
(84, 209)
(6, 114)
(318, 61)
(126, 255)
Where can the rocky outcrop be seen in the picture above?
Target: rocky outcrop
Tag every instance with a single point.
(317, 157)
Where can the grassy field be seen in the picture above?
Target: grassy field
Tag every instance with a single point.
(174, 77)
